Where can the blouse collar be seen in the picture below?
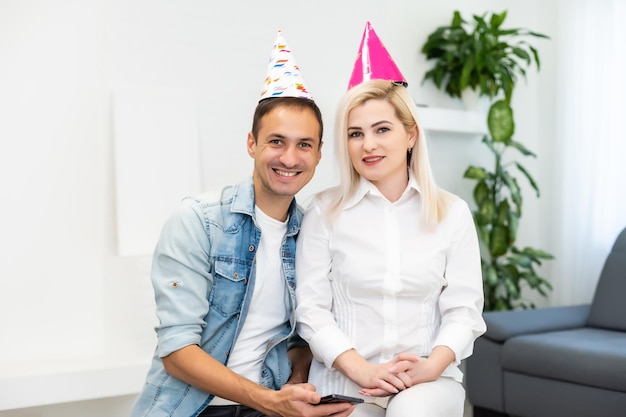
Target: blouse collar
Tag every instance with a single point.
(365, 187)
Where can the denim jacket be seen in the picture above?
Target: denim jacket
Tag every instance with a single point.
(203, 274)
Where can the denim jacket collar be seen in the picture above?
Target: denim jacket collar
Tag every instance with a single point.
(243, 202)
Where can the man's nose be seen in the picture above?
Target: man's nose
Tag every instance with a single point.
(289, 156)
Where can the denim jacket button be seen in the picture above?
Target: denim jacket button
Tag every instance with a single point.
(251, 248)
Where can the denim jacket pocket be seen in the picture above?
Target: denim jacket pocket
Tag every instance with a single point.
(229, 284)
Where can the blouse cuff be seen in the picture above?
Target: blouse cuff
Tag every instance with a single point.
(458, 338)
(328, 343)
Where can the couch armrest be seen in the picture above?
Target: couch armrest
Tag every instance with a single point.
(502, 325)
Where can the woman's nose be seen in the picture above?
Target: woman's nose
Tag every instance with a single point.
(369, 143)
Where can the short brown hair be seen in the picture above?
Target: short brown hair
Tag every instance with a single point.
(267, 105)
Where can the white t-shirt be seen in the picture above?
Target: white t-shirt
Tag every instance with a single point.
(269, 305)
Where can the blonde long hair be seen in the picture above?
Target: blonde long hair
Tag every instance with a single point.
(434, 200)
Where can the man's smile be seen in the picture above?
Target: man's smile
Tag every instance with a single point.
(286, 173)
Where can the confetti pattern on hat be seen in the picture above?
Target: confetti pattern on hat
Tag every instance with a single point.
(373, 62)
(283, 75)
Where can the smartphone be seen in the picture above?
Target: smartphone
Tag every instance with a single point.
(338, 398)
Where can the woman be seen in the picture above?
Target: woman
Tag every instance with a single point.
(389, 286)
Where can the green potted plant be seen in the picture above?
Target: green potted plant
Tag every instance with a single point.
(480, 56)
(498, 198)
(486, 58)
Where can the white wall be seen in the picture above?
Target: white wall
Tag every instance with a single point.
(68, 300)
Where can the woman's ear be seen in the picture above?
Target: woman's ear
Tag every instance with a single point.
(413, 135)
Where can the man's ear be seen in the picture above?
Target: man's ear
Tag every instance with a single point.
(251, 145)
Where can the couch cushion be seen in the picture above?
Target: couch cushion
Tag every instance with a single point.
(503, 325)
(608, 309)
(588, 356)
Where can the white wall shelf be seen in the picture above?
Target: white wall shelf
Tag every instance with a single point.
(452, 120)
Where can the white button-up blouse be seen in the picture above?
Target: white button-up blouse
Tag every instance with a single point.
(377, 281)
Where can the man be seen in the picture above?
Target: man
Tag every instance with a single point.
(223, 275)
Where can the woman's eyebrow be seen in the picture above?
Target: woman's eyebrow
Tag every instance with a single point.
(373, 125)
(380, 122)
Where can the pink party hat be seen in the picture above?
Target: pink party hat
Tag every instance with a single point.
(283, 75)
(373, 61)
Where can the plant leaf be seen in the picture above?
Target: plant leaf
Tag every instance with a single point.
(530, 179)
(503, 212)
(481, 193)
(491, 276)
(496, 20)
(486, 208)
(475, 173)
(536, 55)
(483, 231)
(537, 253)
(538, 35)
(513, 224)
(500, 121)
(521, 260)
(514, 190)
(499, 241)
(457, 20)
(519, 52)
(468, 66)
(521, 148)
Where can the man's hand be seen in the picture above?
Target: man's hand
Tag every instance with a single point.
(194, 366)
(300, 358)
(300, 400)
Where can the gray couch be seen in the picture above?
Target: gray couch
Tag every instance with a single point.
(558, 361)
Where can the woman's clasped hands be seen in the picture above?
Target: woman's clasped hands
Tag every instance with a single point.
(379, 380)
(402, 372)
